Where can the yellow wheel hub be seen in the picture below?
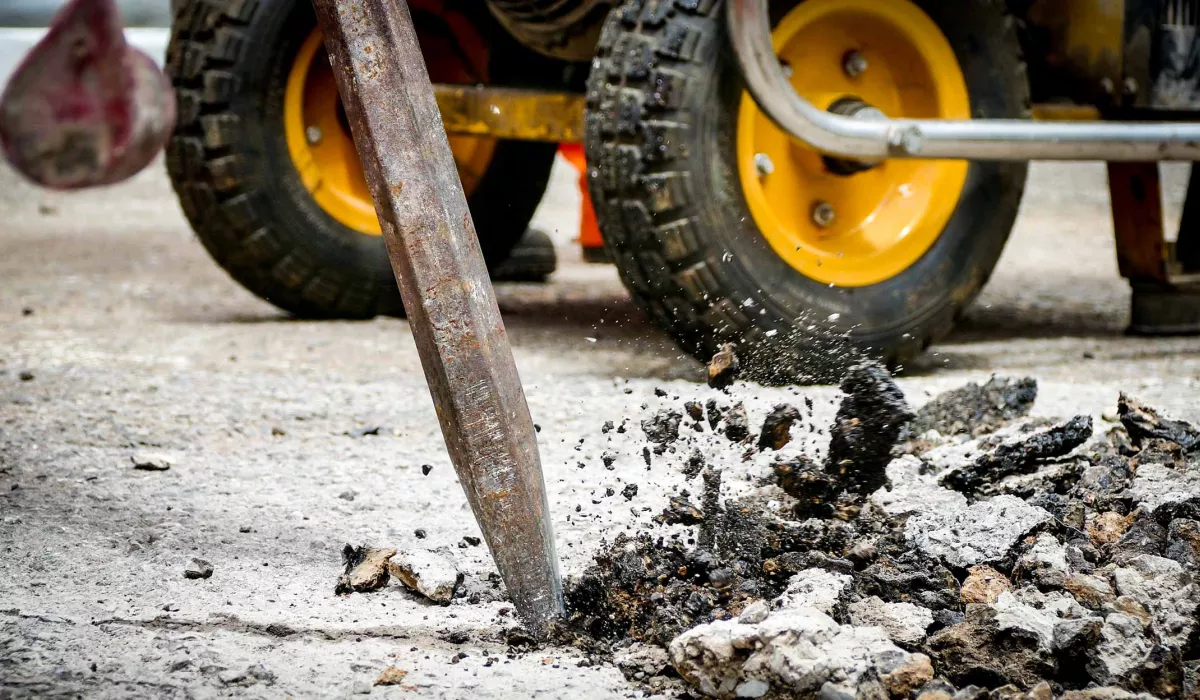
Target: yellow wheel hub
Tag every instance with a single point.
(318, 136)
(860, 229)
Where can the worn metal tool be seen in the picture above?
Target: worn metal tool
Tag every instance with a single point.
(452, 310)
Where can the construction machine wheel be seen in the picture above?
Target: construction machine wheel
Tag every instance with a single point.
(727, 230)
(266, 170)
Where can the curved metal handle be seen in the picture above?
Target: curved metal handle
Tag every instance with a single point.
(975, 139)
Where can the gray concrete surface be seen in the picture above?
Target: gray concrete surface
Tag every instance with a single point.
(134, 340)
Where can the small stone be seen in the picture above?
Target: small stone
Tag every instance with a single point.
(904, 623)
(391, 676)
(365, 569)
(754, 613)
(432, 574)
(680, 511)
(695, 410)
(724, 367)
(25, 375)
(713, 413)
(737, 423)
(777, 427)
(1107, 527)
(150, 461)
(644, 659)
(908, 673)
(815, 490)
(629, 491)
(420, 534)
(425, 469)
(348, 495)
(471, 541)
(1045, 563)
(817, 589)
(983, 585)
(663, 427)
(198, 569)
(1091, 591)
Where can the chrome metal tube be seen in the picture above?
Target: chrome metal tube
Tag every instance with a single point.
(975, 139)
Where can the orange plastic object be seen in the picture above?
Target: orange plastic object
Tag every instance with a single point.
(589, 229)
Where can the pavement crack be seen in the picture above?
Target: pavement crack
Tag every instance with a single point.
(273, 630)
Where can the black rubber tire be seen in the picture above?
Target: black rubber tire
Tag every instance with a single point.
(229, 163)
(562, 29)
(663, 100)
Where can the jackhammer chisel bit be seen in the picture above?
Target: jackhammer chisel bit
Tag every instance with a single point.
(451, 307)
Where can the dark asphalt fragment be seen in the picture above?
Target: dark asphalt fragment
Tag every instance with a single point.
(365, 569)
(1021, 455)
(868, 424)
(724, 367)
(777, 428)
(1143, 423)
(663, 427)
(815, 489)
(737, 423)
(198, 569)
(977, 410)
(629, 491)
(713, 413)
(680, 511)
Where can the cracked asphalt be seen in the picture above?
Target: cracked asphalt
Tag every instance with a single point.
(119, 335)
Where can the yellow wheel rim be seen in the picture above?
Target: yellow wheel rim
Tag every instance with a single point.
(319, 141)
(884, 218)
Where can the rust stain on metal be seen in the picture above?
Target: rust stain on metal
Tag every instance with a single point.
(1138, 221)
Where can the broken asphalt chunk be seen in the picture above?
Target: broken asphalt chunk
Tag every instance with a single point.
(366, 569)
(1020, 454)
(1143, 423)
(724, 367)
(868, 424)
(432, 574)
(737, 423)
(777, 428)
(663, 427)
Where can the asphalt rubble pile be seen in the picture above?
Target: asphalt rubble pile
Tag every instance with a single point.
(958, 552)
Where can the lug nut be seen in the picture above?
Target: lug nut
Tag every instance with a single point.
(823, 214)
(763, 164)
(313, 134)
(855, 64)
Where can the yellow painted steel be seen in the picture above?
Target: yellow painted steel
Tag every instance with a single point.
(887, 217)
(319, 142)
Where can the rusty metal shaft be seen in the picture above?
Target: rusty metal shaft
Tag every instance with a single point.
(452, 310)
